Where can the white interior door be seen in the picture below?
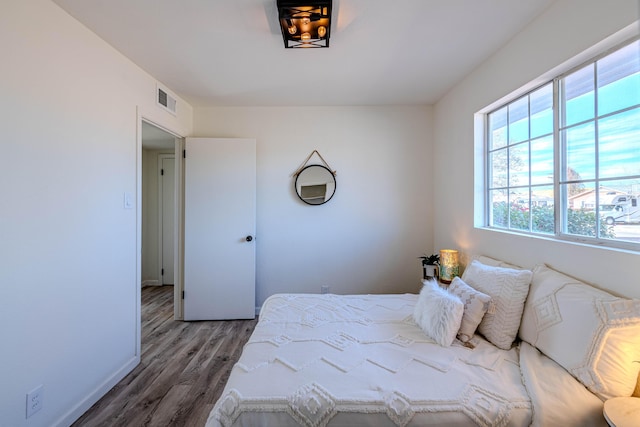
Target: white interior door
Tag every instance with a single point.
(167, 208)
(220, 217)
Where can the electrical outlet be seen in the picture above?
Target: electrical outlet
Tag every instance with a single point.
(34, 400)
(324, 289)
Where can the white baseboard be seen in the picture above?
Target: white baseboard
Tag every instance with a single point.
(146, 283)
(83, 406)
(258, 310)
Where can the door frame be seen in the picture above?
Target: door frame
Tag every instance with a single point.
(161, 157)
(178, 223)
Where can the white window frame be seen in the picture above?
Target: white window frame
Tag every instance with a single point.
(482, 129)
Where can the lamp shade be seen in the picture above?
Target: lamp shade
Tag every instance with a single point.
(448, 265)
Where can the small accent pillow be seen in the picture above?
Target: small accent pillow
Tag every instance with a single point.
(589, 332)
(475, 306)
(508, 289)
(438, 313)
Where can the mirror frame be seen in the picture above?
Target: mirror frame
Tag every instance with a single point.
(335, 184)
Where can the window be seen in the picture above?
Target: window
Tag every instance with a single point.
(564, 159)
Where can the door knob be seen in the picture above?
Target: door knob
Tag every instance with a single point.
(249, 238)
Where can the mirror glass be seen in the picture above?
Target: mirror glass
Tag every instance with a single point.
(315, 184)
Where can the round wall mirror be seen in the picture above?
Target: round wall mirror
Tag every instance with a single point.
(315, 184)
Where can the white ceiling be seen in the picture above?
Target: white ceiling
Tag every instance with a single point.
(230, 52)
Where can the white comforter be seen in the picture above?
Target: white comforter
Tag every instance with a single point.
(317, 360)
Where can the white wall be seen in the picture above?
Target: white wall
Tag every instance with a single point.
(368, 237)
(565, 30)
(68, 246)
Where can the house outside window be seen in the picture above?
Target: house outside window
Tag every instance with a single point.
(563, 160)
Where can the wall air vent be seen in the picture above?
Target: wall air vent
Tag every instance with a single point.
(165, 100)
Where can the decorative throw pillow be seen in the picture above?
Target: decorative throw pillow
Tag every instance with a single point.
(475, 306)
(508, 289)
(438, 313)
(589, 332)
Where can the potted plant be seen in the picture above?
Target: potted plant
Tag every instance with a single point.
(430, 266)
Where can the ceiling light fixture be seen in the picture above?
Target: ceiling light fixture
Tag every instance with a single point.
(305, 23)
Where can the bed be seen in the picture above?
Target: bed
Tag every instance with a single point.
(317, 360)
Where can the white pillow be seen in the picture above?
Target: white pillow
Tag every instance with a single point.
(508, 289)
(475, 306)
(589, 332)
(495, 262)
(438, 313)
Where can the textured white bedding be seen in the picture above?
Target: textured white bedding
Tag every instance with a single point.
(558, 399)
(317, 360)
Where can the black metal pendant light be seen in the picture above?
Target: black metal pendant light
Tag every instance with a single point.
(305, 23)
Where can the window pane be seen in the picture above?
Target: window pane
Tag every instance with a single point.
(519, 165)
(519, 120)
(581, 219)
(519, 210)
(542, 160)
(498, 168)
(582, 198)
(498, 203)
(619, 79)
(542, 212)
(580, 151)
(619, 210)
(541, 105)
(578, 96)
(498, 129)
(619, 144)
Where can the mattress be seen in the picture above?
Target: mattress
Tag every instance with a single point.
(317, 360)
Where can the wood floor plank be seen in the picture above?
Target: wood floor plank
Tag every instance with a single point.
(166, 412)
(183, 369)
(211, 383)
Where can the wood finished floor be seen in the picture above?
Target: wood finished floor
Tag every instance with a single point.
(183, 369)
